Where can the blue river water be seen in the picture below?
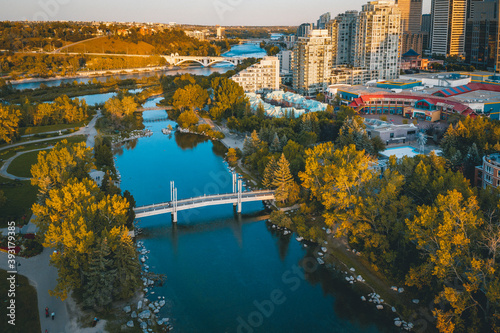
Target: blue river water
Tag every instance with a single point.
(229, 273)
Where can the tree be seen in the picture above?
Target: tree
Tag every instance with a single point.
(283, 179)
(99, 277)
(187, 118)
(232, 157)
(9, 123)
(70, 220)
(191, 97)
(295, 154)
(353, 133)
(269, 171)
(227, 97)
(335, 178)
(65, 161)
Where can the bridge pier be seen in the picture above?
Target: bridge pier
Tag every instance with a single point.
(173, 199)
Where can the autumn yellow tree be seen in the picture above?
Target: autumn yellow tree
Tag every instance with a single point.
(9, 121)
(73, 219)
(58, 165)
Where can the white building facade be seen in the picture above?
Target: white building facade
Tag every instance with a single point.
(261, 77)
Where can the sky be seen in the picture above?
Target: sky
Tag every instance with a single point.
(200, 12)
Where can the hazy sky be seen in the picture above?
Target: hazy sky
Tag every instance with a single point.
(205, 12)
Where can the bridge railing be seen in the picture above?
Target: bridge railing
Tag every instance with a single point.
(206, 199)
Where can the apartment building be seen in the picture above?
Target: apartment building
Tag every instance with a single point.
(261, 77)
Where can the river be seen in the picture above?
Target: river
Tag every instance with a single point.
(247, 50)
(229, 273)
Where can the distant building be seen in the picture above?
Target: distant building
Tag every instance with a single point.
(303, 29)
(390, 133)
(411, 60)
(426, 32)
(312, 62)
(411, 17)
(488, 174)
(323, 20)
(377, 39)
(342, 30)
(481, 35)
(290, 41)
(448, 27)
(261, 77)
(285, 58)
(221, 32)
(200, 35)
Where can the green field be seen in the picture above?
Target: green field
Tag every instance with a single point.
(20, 194)
(49, 128)
(21, 165)
(27, 319)
(111, 45)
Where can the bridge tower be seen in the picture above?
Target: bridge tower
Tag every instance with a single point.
(240, 185)
(173, 200)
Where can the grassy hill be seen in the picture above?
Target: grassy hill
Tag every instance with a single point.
(111, 45)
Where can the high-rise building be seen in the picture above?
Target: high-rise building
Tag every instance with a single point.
(303, 29)
(426, 31)
(323, 20)
(411, 17)
(377, 39)
(342, 30)
(285, 57)
(481, 35)
(448, 27)
(312, 62)
(261, 77)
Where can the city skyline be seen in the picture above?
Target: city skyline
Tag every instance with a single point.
(221, 12)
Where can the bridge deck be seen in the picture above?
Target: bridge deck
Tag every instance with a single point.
(205, 201)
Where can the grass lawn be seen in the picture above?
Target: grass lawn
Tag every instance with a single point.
(21, 195)
(21, 165)
(49, 128)
(27, 319)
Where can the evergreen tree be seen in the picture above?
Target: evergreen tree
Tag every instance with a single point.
(99, 278)
(269, 171)
(275, 145)
(283, 179)
(251, 145)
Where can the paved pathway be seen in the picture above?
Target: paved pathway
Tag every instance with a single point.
(5, 166)
(87, 130)
(43, 276)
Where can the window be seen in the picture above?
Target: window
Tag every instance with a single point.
(392, 135)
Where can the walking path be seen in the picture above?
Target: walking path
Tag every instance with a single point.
(41, 274)
(5, 166)
(87, 130)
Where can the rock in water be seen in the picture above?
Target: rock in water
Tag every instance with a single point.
(130, 323)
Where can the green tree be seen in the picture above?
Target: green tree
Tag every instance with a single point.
(99, 277)
(227, 97)
(191, 97)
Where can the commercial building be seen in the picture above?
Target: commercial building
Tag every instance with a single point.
(448, 27)
(481, 35)
(221, 32)
(342, 30)
(411, 17)
(261, 77)
(377, 39)
(312, 62)
(488, 174)
(426, 33)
